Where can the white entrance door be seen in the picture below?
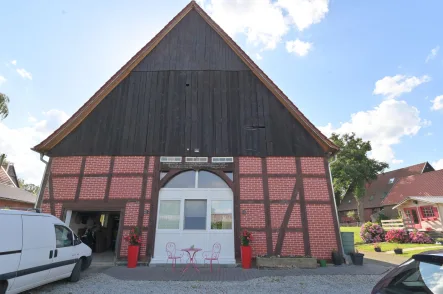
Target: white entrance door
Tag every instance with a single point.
(195, 216)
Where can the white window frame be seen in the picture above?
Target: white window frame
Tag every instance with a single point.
(176, 159)
(196, 159)
(222, 159)
(391, 180)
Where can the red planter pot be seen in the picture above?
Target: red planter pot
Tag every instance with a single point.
(133, 255)
(246, 256)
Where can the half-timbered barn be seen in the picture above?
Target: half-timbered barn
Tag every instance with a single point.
(193, 143)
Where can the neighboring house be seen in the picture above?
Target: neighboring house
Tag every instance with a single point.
(193, 143)
(11, 196)
(419, 199)
(376, 191)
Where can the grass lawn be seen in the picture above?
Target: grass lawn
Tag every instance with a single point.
(385, 246)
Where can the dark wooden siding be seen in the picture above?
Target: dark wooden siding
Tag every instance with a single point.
(192, 45)
(222, 113)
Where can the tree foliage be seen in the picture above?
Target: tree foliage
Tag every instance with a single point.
(34, 189)
(353, 168)
(4, 111)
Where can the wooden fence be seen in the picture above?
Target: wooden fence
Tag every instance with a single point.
(392, 224)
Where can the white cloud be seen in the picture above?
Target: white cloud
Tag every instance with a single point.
(397, 161)
(24, 74)
(260, 20)
(265, 22)
(437, 164)
(429, 134)
(304, 13)
(2, 80)
(384, 126)
(395, 86)
(16, 143)
(299, 47)
(258, 56)
(14, 62)
(437, 103)
(432, 54)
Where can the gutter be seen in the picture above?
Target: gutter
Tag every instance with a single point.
(335, 204)
(42, 189)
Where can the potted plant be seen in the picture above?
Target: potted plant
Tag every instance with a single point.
(357, 258)
(322, 263)
(337, 258)
(246, 250)
(398, 250)
(377, 247)
(133, 238)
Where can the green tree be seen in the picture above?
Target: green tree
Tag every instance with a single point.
(353, 168)
(29, 187)
(4, 111)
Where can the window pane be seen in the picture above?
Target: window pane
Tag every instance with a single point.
(162, 175)
(169, 214)
(210, 180)
(195, 215)
(230, 175)
(63, 237)
(221, 215)
(182, 180)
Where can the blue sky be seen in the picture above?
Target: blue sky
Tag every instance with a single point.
(372, 67)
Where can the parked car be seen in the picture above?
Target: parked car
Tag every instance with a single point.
(37, 249)
(423, 273)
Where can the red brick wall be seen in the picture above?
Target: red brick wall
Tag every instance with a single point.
(93, 187)
(11, 204)
(281, 179)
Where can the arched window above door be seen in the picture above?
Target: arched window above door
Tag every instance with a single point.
(193, 179)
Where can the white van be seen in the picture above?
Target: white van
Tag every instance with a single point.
(36, 249)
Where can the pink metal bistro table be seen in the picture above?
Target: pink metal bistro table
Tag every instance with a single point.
(191, 252)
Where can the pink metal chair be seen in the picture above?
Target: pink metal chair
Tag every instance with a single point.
(171, 251)
(212, 255)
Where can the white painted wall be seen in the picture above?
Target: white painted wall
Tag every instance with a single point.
(203, 239)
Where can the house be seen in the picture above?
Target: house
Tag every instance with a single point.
(419, 200)
(193, 143)
(376, 191)
(11, 196)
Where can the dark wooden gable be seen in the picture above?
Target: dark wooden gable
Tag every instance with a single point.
(191, 92)
(192, 45)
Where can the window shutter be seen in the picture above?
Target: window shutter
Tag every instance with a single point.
(435, 211)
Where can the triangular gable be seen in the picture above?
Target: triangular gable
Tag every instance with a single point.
(90, 105)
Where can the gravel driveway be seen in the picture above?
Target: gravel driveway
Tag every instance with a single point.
(102, 283)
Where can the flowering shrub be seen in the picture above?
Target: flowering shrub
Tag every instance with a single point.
(246, 238)
(134, 237)
(420, 237)
(397, 236)
(372, 233)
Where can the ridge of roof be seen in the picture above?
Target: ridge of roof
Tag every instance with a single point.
(67, 127)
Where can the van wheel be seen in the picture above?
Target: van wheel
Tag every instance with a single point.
(3, 287)
(75, 276)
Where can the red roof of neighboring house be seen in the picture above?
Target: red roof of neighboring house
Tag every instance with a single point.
(378, 189)
(6, 177)
(427, 184)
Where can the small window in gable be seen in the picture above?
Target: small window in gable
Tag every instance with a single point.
(196, 159)
(222, 159)
(371, 197)
(391, 180)
(170, 159)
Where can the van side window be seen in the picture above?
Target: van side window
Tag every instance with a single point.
(63, 236)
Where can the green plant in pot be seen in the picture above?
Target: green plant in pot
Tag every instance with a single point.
(337, 257)
(398, 250)
(377, 247)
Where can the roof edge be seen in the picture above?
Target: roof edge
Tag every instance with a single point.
(59, 134)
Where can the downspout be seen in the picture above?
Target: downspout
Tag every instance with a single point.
(42, 189)
(335, 206)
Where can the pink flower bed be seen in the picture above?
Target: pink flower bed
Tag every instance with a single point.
(420, 237)
(397, 236)
(372, 233)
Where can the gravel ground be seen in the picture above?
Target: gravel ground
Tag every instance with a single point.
(102, 283)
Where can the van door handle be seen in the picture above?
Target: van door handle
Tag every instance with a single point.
(55, 253)
(50, 254)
